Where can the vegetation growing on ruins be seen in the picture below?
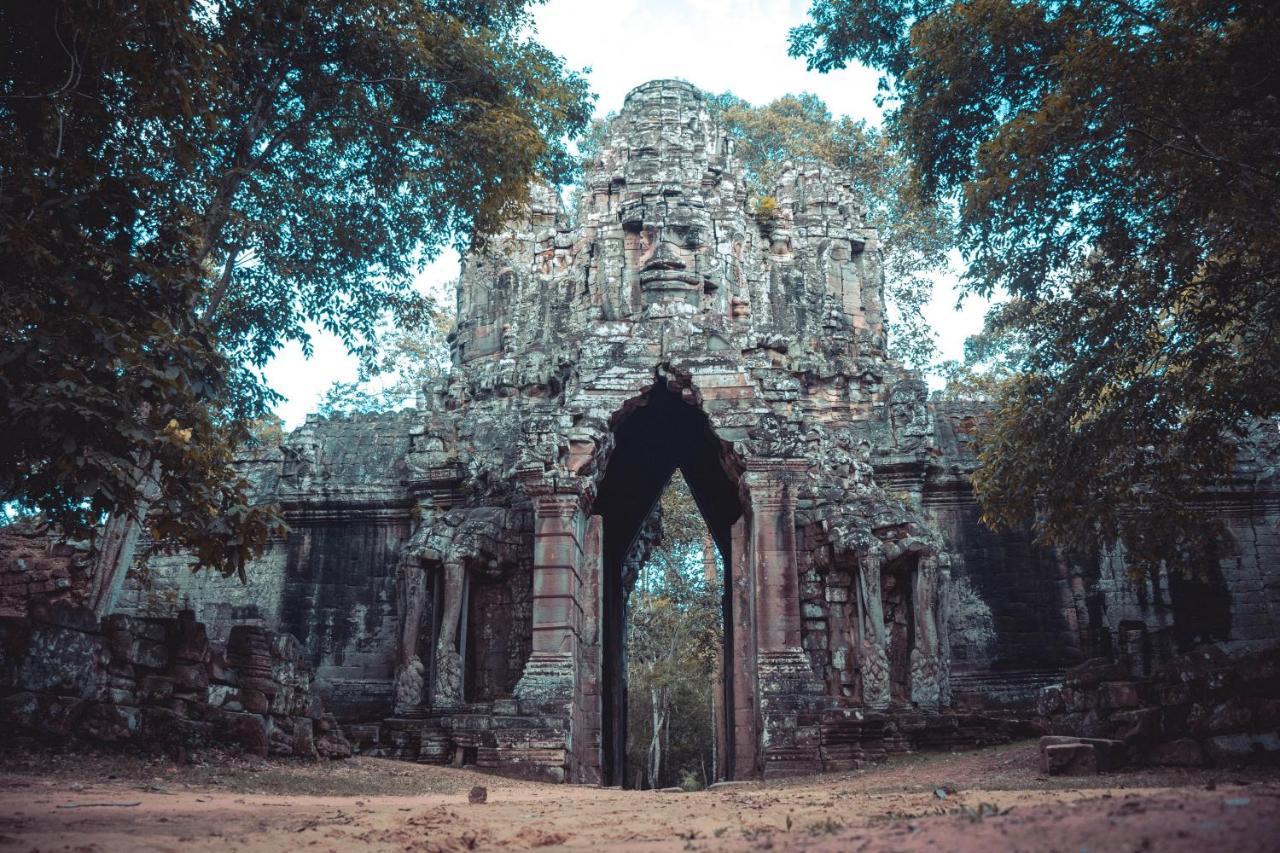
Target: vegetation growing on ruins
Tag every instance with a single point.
(1118, 166)
(184, 188)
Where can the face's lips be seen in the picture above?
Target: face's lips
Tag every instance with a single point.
(652, 278)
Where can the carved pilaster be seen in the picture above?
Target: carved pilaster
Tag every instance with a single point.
(944, 639)
(559, 529)
(791, 694)
(447, 690)
(771, 484)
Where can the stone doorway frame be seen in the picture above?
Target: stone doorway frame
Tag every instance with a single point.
(772, 685)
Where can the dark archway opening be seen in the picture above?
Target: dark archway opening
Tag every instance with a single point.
(651, 441)
(1201, 602)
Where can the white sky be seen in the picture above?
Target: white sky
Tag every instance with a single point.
(718, 45)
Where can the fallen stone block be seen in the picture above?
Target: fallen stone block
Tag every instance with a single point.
(331, 744)
(1068, 759)
(1237, 750)
(165, 728)
(1108, 755)
(19, 710)
(110, 723)
(246, 731)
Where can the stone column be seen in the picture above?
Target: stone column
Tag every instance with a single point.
(585, 732)
(873, 655)
(719, 725)
(777, 582)
(559, 526)
(743, 648)
(791, 695)
(944, 637)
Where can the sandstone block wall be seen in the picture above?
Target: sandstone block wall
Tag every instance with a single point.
(331, 581)
(35, 567)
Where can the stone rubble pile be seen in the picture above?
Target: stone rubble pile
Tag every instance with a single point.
(159, 684)
(1215, 706)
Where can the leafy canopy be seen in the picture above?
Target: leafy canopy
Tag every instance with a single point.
(1119, 170)
(186, 186)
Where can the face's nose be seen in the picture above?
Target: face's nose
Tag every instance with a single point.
(664, 258)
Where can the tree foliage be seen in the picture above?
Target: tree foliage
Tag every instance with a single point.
(674, 636)
(1119, 165)
(396, 366)
(186, 186)
(915, 234)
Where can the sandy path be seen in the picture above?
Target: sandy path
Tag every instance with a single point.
(999, 803)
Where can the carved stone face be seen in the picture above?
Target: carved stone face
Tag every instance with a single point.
(668, 244)
(909, 414)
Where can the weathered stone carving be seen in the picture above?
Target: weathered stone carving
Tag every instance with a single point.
(872, 657)
(926, 675)
(411, 595)
(447, 690)
(909, 416)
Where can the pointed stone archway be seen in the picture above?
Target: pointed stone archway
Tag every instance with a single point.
(654, 438)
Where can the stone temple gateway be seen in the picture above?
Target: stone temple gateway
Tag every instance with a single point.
(458, 572)
(669, 328)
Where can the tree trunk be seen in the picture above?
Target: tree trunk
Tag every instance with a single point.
(119, 545)
(715, 731)
(655, 741)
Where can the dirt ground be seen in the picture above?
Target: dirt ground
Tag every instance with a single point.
(985, 801)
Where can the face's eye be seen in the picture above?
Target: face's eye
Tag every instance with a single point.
(684, 236)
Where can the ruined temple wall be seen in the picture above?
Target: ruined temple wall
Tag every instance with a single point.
(339, 599)
(1253, 570)
(330, 581)
(165, 584)
(1236, 598)
(1048, 611)
(1014, 619)
(332, 586)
